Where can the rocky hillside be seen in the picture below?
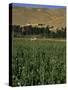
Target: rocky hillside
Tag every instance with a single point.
(54, 17)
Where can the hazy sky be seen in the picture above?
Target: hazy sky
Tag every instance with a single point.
(36, 5)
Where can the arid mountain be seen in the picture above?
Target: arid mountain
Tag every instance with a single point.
(54, 17)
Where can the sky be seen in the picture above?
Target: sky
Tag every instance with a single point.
(35, 5)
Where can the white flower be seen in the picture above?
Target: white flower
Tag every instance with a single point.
(19, 84)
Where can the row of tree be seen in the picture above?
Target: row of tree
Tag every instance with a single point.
(18, 31)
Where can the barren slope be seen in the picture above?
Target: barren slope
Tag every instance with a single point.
(55, 17)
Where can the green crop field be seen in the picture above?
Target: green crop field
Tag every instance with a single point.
(38, 62)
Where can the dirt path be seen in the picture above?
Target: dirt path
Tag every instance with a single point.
(44, 39)
(61, 40)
